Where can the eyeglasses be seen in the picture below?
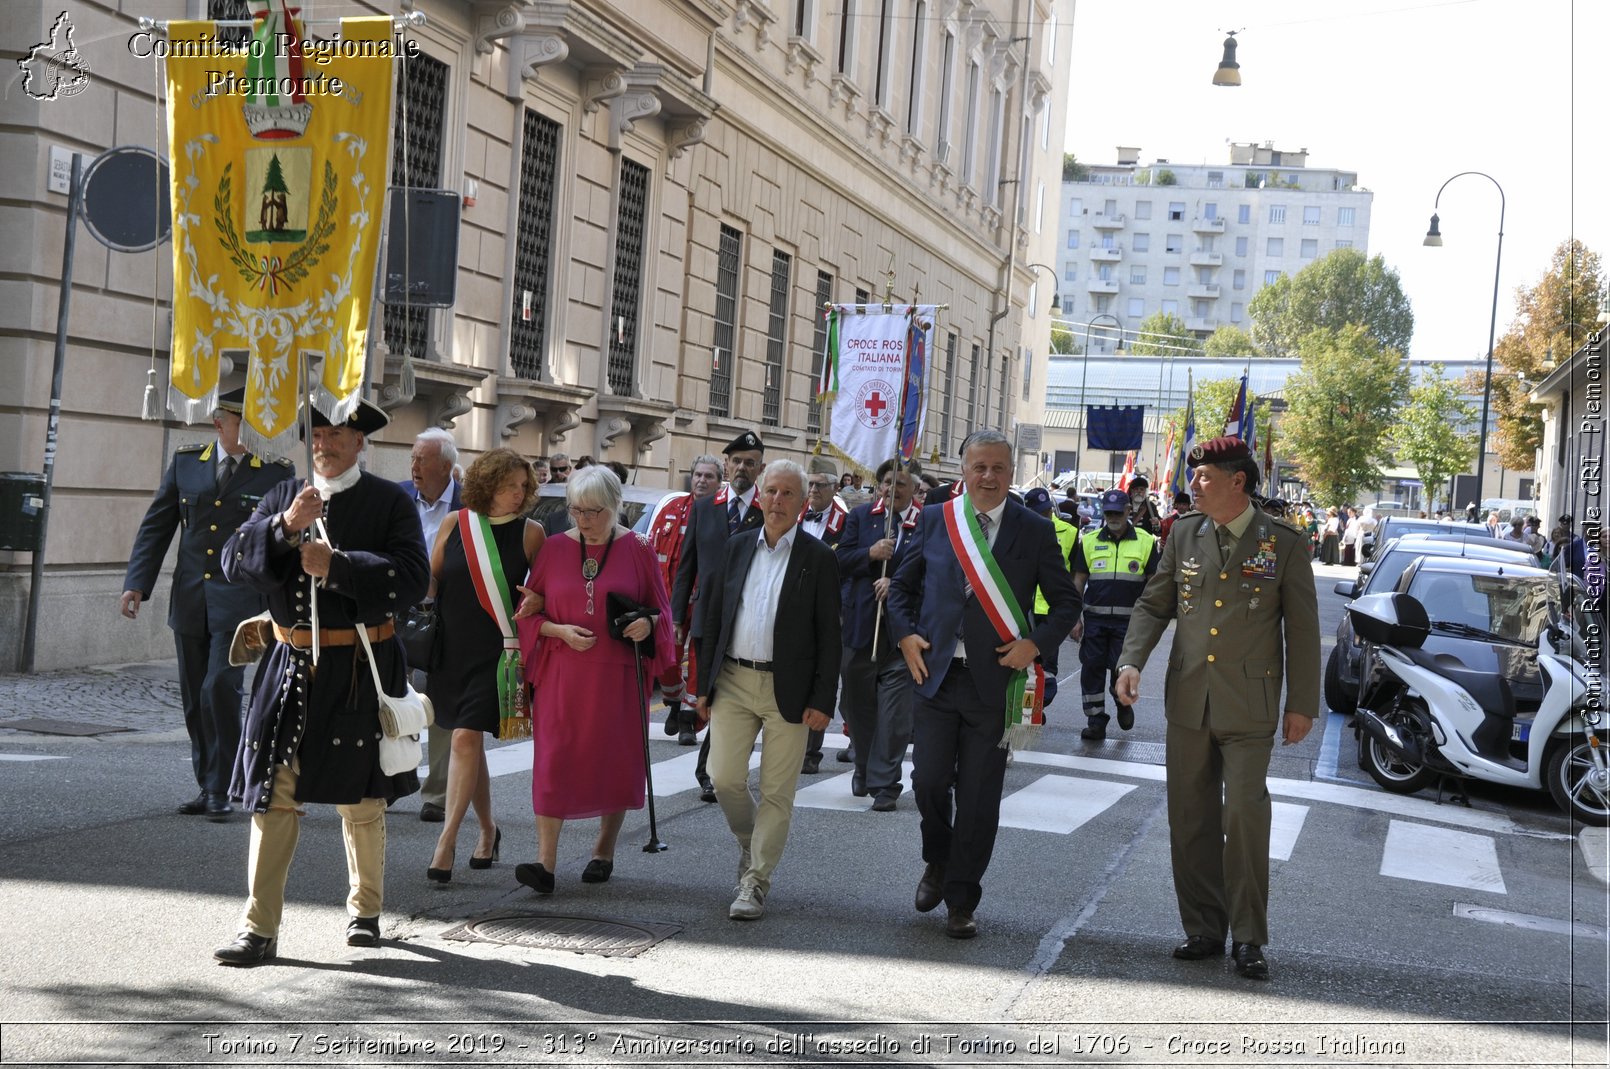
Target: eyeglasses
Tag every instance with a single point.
(558, 470)
(590, 514)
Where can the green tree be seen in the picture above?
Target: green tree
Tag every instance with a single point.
(1336, 291)
(1072, 169)
(1214, 397)
(1163, 334)
(274, 178)
(1228, 341)
(1062, 340)
(1552, 320)
(1427, 435)
(1165, 177)
(1342, 404)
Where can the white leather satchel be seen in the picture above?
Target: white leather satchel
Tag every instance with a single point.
(402, 719)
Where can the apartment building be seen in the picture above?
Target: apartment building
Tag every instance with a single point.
(1199, 240)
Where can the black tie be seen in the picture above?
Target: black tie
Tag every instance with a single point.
(812, 517)
(733, 516)
(227, 473)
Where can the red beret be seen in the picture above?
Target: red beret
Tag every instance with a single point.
(1225, 450)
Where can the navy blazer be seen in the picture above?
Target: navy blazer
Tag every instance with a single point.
(704, 542)
(928, 597)
(805, 637)
(858, 570)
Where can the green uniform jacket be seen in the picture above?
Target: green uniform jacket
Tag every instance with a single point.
(1228, 647)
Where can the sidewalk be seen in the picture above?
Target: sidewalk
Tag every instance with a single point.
(131, 697)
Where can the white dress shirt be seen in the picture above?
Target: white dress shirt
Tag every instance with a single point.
(752, 631)
(994, 515)
(432, 515)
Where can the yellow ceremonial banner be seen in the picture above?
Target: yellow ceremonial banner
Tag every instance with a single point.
(280, 152)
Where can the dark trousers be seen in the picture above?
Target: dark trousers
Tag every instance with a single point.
(892, 734)
(858, 701)
(958, 769)
(211, 694)
(1098, 660)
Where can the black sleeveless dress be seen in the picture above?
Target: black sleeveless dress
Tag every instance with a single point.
(463, 688)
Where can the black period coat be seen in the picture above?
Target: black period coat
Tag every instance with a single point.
(328, 719)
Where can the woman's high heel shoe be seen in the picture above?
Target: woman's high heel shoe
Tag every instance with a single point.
(486, 862)
(435, 875)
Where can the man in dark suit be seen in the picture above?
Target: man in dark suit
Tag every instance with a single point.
(207, 492)
(979, 549)
(876, 695)
(732, 510)
(435, 493)
(768, 662)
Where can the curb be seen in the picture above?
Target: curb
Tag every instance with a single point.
(1595, 846)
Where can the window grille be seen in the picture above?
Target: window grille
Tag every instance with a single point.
(230, 10)
(771, 402)
(972, 395)
(533, 251)
(630, 216)
(416, 163)
(947, 399)
(824, 294)
(722, 358)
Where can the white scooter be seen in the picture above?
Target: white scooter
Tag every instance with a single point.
(1420, 718)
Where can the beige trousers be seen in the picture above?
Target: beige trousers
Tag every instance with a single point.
(273, 845)
(744, 707)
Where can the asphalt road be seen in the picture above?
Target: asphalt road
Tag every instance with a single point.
(1404, 932)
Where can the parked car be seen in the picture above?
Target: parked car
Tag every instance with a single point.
(1342, 669)
(1390, 527)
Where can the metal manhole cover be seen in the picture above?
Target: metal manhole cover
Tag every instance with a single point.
(41, 726)
(556, 931)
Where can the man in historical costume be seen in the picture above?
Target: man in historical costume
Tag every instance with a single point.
(876, 690)
(313, 732)
(207, 492)
(1142, 509)
(667, 530)
(732, 510)
(768, 666)
(822, 518)
(1111, 565)
(436, 493)
(961, 609)
(1240, 587)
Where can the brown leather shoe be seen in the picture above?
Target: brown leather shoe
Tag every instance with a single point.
(931, 888)
(960, 924)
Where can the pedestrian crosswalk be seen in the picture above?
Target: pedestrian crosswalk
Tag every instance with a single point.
(1064, 793)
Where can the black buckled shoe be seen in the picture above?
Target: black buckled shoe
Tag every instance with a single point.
(248, 949)
(194, 806)
(1249, 961)
(363, 932)
(1199, 947)
(931, 888)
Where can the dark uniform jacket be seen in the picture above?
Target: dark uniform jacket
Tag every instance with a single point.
(328, 719)
(858, 571)
(206, 514)
(1240, 628)
(705, 541)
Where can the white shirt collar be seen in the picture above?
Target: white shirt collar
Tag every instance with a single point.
(784, 543)
(446, 494)
(345, 481)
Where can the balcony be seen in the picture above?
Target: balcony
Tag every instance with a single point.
(1204, 290)
(1102, 221)
(1201, 324)
(1102, 285)
(1106, 254)
(1207, 226)
(1207, 259)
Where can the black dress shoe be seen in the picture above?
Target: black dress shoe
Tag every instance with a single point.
(846, 755)
(707, 790)
(1096, 730)
(218, 808)
(960, 924)
(687, 737)
(598, 870)
(931, 888)
(885, 803)
(486, 862)
(196, 805)
(1126, 716)
(535, 876)
(1198, 947)
(1249, 961)
(858, 783)
(811, 765)
(248, 949)
(363, 932)
(673, 719)
(439, 875)
(431, 813)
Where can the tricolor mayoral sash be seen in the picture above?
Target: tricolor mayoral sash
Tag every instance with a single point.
(1025, 691)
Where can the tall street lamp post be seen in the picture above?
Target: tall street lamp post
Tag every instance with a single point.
(1084, 379)
(1434, 238)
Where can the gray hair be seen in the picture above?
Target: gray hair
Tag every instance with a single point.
(987, 436)
(594, 486)
(444, 439)
(557, 456)
(784, 467)
(710, 459)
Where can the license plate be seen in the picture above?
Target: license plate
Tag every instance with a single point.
(1521, 732)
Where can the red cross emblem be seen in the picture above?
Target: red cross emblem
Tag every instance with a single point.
(876, 404)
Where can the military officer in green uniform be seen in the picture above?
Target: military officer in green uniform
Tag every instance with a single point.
(208, 491)
(1240, 586)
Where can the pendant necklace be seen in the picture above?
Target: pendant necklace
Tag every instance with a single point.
(590, 567)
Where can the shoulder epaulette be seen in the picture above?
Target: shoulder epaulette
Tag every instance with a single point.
(198, 447)
(284, 462)
(1178, 516)
(1281, 521)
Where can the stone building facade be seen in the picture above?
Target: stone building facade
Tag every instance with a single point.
(655, 199)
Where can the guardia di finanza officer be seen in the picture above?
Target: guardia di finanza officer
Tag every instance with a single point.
(207, 492)
(1240, 585)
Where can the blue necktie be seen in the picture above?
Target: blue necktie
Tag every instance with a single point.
(733, 516)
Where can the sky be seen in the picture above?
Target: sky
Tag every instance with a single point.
(1408, 93)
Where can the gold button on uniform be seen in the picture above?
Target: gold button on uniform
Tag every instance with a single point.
(217, 502)
(1213, 630)
(1224, 575)
(1218, 604)
(206, 575)
(214, 527)
(1210, 658)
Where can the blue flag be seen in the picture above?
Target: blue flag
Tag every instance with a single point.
(1118, 428)
(912, 396)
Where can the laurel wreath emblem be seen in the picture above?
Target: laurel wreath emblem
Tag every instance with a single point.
(271, 272)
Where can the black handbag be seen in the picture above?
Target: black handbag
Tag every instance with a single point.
(623, 611)
(420, 637)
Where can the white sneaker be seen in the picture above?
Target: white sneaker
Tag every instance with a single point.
(750, 904)
(743, 865)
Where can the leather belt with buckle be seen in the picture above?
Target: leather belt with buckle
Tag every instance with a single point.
(759, 666)
(301, 636)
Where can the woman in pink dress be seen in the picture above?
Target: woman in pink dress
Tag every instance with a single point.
(586, 718)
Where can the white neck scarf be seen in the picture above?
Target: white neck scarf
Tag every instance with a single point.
(345, 481)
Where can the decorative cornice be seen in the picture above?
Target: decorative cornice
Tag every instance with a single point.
(442, 386)
(529, 52)
(522, 401)
(911, 150)
(495, 20)
(842, 89)
(1039, 91)
(601, 86)
(802, 54)
(680, 138)
(756, 13)
(879, 124)
(646, 419)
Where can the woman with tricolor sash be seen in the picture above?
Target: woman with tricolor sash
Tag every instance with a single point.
(482, 554)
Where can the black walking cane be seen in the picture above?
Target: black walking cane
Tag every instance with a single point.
(623, 612)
